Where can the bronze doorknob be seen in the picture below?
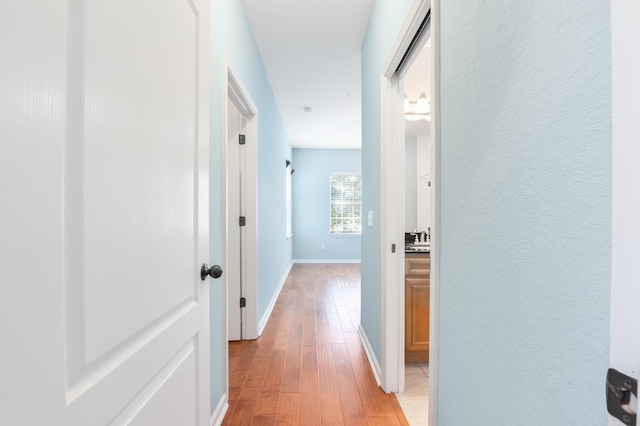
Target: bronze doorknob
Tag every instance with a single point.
(214, 272)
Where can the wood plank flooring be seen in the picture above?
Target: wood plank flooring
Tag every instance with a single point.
(309, 367)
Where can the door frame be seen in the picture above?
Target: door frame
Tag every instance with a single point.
(233, 89)
(392, 199)
(625, 230)
(392, 204)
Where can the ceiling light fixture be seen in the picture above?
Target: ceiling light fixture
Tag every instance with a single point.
(417, 110)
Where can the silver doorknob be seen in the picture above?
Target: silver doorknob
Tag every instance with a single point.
(214, 272)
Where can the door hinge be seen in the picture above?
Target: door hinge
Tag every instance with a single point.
(241, 139)
(243, 302)
(243, 221)
(620, 387)
(393, 248)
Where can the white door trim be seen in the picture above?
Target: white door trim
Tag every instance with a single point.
(392, 210)
(392, 199)
(234, 89)
(434, 307)
(625, 241)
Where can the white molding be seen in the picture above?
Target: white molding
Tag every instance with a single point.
(392, 230)
(251, 227)
(221, 409)
(326, 260)
(239, 95)
(434, 280)
(412, 22)
(624, 352)
(392, 200)
(371, 356)
(272, 303)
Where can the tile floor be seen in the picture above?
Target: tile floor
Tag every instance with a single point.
(415, 398)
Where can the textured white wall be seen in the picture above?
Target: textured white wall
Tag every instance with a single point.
(525, 212)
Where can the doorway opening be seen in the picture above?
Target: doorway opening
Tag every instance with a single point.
(236, 235)
(415, 81)
(240, 150)
(419, 30)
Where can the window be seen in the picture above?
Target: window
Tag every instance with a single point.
(346, 203)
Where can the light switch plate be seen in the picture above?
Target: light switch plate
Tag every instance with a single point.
(370, 219)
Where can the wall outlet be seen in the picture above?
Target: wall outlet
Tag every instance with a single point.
(322, 246)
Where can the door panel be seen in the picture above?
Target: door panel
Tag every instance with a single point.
(138, 198)
(130, 371)
(156, 404)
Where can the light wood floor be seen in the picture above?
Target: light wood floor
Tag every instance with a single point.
(309, 367)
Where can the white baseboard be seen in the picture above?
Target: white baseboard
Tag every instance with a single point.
(220, 411)
(272, 303)
(371, 356)
(326, 260)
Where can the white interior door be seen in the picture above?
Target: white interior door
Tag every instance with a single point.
(108, 168)
(235, 270)
(241, 199)
(625, 288)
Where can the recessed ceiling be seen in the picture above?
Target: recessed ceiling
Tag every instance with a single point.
(311, 51)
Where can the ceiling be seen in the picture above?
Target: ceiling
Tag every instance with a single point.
(311, 51)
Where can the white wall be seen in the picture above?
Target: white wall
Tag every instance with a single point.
(423, 190)
(417, 178)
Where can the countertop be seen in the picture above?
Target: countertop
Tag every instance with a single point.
(412, 248)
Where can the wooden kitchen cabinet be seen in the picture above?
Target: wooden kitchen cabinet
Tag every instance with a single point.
(416, 307)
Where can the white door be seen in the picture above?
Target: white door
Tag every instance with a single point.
(235, 276)
(625, 289)
(241, 199)
(105, 166)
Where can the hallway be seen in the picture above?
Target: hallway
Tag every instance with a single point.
(309, 366)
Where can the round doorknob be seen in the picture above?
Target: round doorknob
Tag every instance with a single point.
(214, 272)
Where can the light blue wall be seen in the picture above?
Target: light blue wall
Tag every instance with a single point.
(525, 212)
(311, 203)
(231, 34)
(525, 208)
(386, 18)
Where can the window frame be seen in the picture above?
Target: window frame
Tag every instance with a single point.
(332, 202)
